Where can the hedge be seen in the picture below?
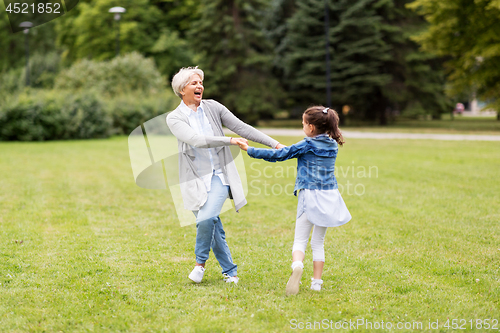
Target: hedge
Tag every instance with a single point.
(50, 115)
(40, 115)
(124, 74)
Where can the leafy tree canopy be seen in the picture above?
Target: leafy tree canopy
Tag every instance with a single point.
(236, 56)
(89, 31)
(468, 33)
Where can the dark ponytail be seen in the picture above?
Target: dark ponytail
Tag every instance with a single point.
(325, 120)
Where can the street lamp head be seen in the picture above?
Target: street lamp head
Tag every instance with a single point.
(26, 25)
(117, 11)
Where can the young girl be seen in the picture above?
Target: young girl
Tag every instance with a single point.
(320, 203)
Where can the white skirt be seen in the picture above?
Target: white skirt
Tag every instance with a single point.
(324, 208)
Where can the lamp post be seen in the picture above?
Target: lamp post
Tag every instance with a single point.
(26, 26)
(327, 56)
(117, 11)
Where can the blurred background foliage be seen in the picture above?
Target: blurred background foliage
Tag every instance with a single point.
(262, 59)
(467, 34)
(121, 75)
(38, 115)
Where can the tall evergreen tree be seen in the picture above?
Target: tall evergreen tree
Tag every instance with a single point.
(417, 84)
(236, 56)
(276, 28)
(375, 67)
(179, 14)
(357, 49)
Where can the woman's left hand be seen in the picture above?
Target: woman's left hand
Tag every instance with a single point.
(243, 145)
(237, 141)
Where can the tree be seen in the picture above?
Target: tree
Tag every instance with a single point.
(41, 40)
(376, 67)
(236, 57)
(417, 85)
(468, 33)
(357, 46)
(89, 32)
(179, 14)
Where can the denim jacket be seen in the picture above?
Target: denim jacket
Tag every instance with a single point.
(316, 161)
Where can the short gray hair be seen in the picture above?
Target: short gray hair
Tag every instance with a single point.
(181, 79)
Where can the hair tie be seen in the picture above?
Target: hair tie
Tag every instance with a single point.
(325, 110)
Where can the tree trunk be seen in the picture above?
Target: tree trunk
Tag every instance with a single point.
(341, 115)
(381, 108)
(383, 117)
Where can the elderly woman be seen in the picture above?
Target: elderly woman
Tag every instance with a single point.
(207, 172)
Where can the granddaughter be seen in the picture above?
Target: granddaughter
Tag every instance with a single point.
(320, 204)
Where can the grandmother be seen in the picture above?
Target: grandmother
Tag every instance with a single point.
(207, 172)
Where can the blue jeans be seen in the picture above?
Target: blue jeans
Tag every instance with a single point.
(209, 231)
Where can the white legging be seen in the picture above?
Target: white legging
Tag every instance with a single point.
(302, 230)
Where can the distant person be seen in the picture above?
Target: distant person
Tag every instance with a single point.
(459, 108)
(207, 174)
(320, 204)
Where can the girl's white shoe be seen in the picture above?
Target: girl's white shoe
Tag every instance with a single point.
(316, 284)
(293, 285)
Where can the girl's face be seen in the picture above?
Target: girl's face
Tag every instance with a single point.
(309, 129)
(193, 92)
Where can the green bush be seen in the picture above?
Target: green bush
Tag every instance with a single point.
(39, 115)
(43, 69)
(50, 115)
(12, 81)
(131, 110)
(124, 74)
(415, 110)
(90, 99)
(88, 117)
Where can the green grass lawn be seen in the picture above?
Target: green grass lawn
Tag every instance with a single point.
(460, 125)
(84, 249)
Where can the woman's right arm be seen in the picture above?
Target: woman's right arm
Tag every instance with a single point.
(244, 130)
(277, 155)
(182, 131)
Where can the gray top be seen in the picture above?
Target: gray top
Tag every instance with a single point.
(194, 193)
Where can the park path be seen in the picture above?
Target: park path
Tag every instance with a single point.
(379, 135)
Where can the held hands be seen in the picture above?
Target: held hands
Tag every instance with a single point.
(243, 145)
(241, 142)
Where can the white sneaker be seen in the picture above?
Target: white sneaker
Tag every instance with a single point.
(232, 279)
(197, 274)
(293, 285)
(316, 284)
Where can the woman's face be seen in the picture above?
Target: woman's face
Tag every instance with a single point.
(309, 129)
(193, 92)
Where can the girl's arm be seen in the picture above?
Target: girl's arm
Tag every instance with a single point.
(276, 155)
